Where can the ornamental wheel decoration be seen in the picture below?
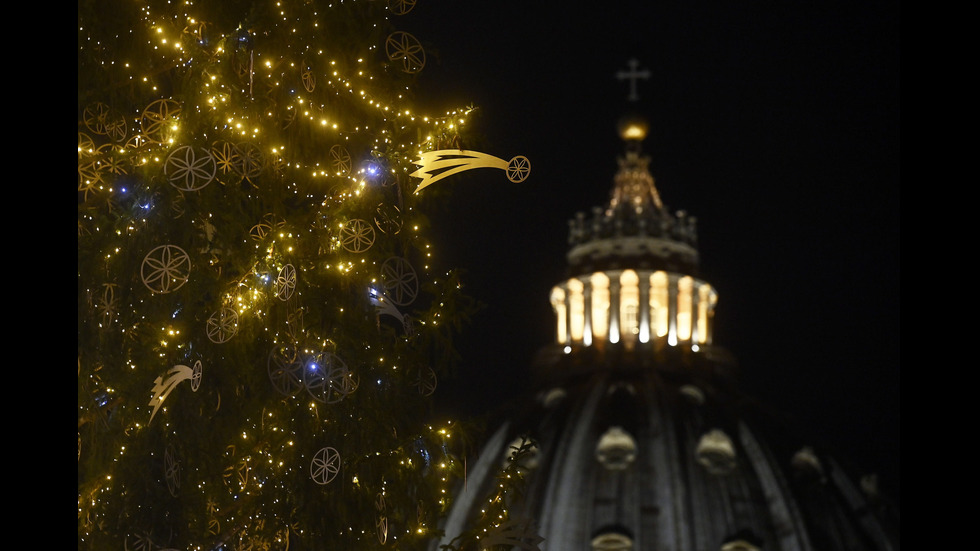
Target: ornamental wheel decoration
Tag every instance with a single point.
(308, 78)
(401, 7)
(426, 381)
(94, 117)
(327, 378)
(285, 371)
(225, 156)
(357, 236)
(105, 121)
(325, 466)
(222, 325)
(402, 46)
(190, 169)
(171, 467)
(196, 375)
(250, 161)
(286, 116)
(107, 303)
(236, 476)
(93, 169)
(286, 282)
(388, 218)
(158, 119)
(340, 160)
(401, 284)
(114, 161)
(518, 169)
(269, 223)
(140, 149)
(86, 145)
(165, 269)
(381, 520)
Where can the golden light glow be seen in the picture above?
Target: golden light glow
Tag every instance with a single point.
(685, 318)
(243, 94)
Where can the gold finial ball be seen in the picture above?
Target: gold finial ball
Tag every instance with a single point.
(633, 128)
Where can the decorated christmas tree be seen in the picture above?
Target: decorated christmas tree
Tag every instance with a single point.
(261, 320)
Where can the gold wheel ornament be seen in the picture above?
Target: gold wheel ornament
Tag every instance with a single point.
(426, 381)
(159, 120)
(381, 520)
(197, 373)
(190, 169)
(309, 79)
(357, 236)
(286, 282)
(86, 146)
(100, 119)
(107, 304)
(139, 148)
(236, 476)
(250, 161)
(94, 117)
(518, 169)
(388, 218)
(340, 160)
(401, 284)
(286, 116)
(171, 467)
(325, 465)
(269, 223)
(401, 7)
(294, 324)
(166, 268)
(140, 543)
(222, 325)
(327, 378)
(285, 371)
(279, 165)
(225, 156)
(90, 176)
(404, 47)
(115, 160)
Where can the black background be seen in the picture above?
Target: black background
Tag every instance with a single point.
(776, 124)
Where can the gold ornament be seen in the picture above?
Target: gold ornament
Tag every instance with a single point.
(159, 119)
(285, 371)
(325, 465)
(357, 236)
(401, 284)
(426, 381)
(286, 282)
(165, 269)
(400, 7)
(436, 165)
(171, 470)
(177, 374)
(340, 160)
(222, 325)
(190, 169)
(405, 47)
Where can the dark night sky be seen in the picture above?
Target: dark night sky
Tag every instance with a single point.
(776, 124)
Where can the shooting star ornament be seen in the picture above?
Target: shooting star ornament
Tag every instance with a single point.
(177, 374)
(436, 165)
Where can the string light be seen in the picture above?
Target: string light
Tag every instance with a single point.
(238, 75)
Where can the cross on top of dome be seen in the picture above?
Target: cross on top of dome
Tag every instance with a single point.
(632, 75)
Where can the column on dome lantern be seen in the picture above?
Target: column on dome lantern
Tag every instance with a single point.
(630, 307)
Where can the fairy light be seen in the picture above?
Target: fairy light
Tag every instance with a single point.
(172, 36)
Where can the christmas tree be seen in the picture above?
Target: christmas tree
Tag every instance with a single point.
(261, 322)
